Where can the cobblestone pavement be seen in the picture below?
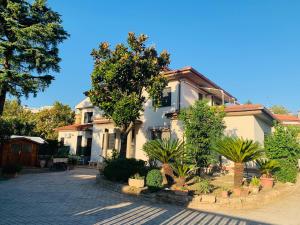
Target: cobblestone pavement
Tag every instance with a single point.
(73, 197)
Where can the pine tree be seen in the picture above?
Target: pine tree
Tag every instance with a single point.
(29, 38)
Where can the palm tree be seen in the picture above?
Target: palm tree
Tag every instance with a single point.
(165, 151)
(239, 151)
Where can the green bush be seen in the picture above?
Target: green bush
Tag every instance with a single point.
(203, 187)
(154, 180)
(122, 169)
(288, 171)
(11, 169)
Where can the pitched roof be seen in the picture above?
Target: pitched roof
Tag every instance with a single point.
(194, 71)
(38, 140)
(248, 108)
(288, 118)
(75, 127)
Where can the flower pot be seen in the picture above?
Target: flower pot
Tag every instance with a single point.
(138, 183)
(225, 194)
(180, 181)
(42, 163)
(267, 182)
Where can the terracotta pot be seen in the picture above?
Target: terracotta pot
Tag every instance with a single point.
(267, 182)
(138, 183)
(180, 181)
(237, 191)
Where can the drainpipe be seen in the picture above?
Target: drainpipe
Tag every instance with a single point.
(179, 96)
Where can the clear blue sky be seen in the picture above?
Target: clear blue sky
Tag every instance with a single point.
(250, 48)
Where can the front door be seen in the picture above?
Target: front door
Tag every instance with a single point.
(78, 146)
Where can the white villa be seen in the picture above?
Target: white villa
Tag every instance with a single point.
(185, 86)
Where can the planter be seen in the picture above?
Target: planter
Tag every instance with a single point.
(267, 182)
(42, 163)
(181, 192)
(180, 181)
(225, 194)
(138, 183)
(237, 192)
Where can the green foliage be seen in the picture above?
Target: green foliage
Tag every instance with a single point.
(137, 176)
(165, 150)
(183, 170)
(18, 120)
(267, 167)
(255, 182)
(11, 169)
(238, 150)
(279, 109)
(154, 180)
(282, 145)
(63, 152)
(203, 125)
(122, 75)
(29, 37)
(48, 119)
(288, 171)
(203, 187)
(121, 169)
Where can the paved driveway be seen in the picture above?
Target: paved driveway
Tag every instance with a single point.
(73, 197)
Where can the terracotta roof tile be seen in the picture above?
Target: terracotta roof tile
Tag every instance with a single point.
(282, 117)
(75, 127)
(245, 107)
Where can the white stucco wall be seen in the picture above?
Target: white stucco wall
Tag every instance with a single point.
(70, 139)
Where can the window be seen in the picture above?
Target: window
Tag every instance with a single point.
(111, 140)
(155, 134)
(16, 148)
(166, 98)
(26, 148)
(62, 141)
(200, 96)
(88, 117)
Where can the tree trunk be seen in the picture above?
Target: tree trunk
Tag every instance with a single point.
(2, 99)
(123, 137)
(238, 174)
(167, 172)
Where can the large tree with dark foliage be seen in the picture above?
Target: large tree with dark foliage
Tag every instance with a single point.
(124, 78)
(30, 32)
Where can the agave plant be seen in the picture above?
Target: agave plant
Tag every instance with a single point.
(239, 151)
(267, 167)
(182, 171)
(165, 151)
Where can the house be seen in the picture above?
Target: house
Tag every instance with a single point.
(185, 86)
(250, 121)
(288, 120)
(21, 150)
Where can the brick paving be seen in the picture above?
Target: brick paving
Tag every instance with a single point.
(73, 197)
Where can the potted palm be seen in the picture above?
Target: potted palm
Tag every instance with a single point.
(255, 185)
(267, 168)
(165, 151)
(182, 172)
(136, 181)
(239, 151)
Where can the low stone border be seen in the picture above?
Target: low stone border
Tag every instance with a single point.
(202, 202)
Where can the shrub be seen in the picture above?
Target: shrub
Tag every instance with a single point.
(154, 180)
(267, 167)
(11, 169)
(203, 187)
(255, 182)
(121, 169)
(288, 171)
